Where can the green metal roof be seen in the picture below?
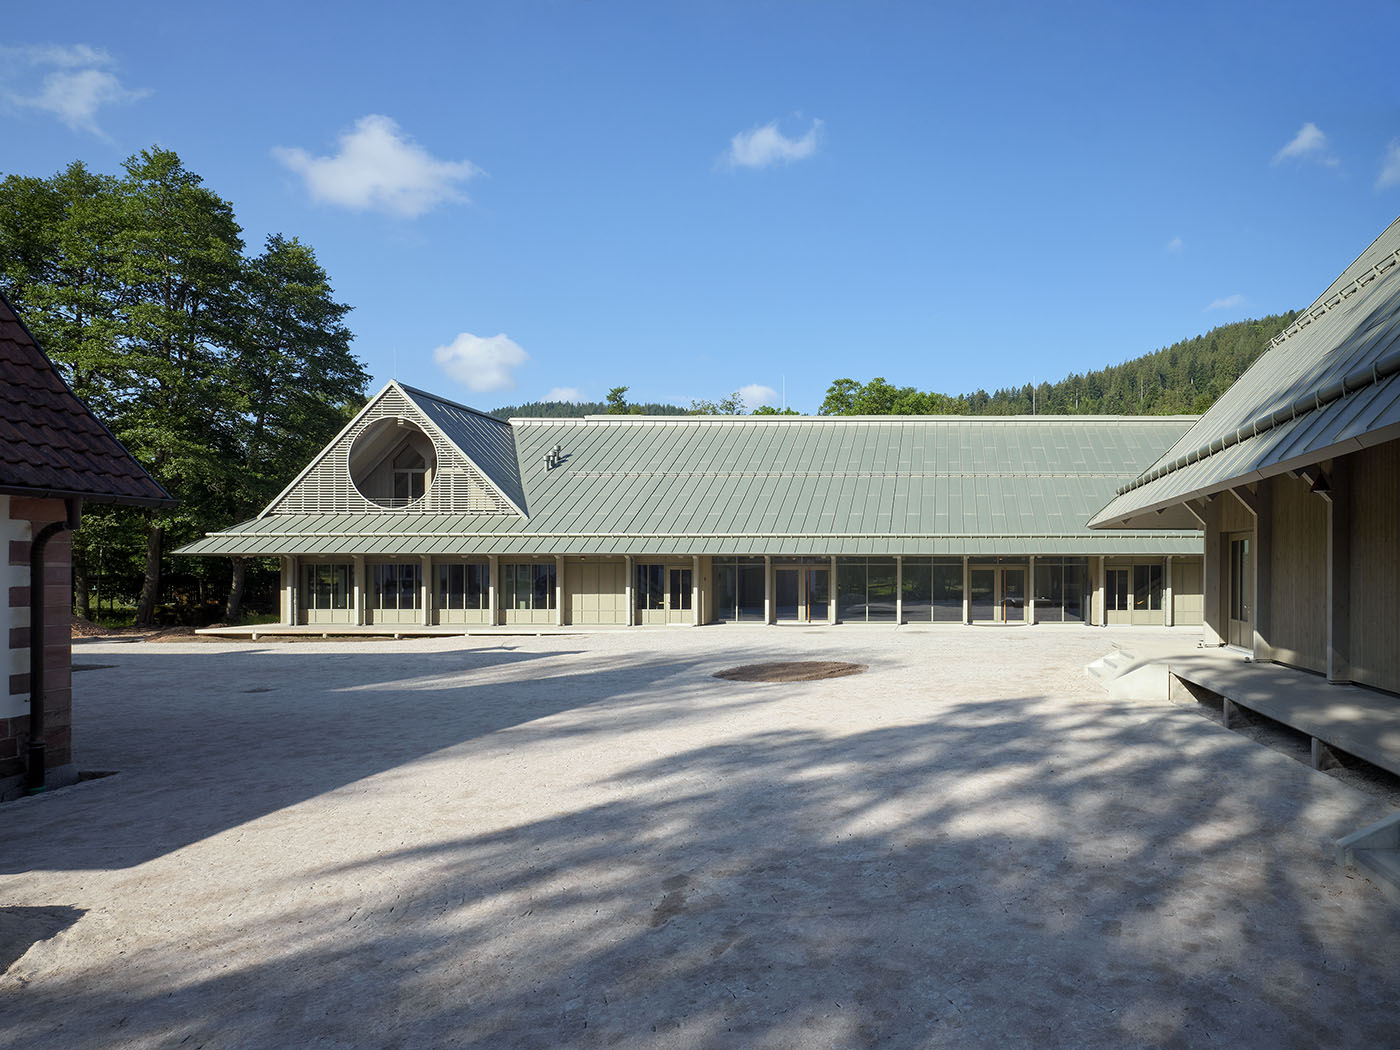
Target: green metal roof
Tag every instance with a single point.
(485, 440)
(754, 485)
(1329, 385)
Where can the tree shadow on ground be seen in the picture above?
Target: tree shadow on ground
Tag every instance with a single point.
(1011, 873)
(210, 740)
(21, 928)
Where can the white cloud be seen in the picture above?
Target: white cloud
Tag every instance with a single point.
(764, 146)
(1227, 303)
(380, 168)
(1390, 167)
(1309, 144)
(481, 363)
(756, 394)
(78, 85)
(1176, 244)
(563, 393)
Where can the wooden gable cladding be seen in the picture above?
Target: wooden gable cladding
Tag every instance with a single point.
(326, 487)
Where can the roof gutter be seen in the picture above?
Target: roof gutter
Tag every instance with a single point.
(94, 497)
(38, 753)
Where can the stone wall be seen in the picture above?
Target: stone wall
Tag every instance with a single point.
(20, 518)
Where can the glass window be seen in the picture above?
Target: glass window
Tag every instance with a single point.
(1060, 585)
(410, 472)
(948, 590)
(396, 585)
(918, 589)
(850, 589)
(526, 585)
(463, 586)
(328, 586)
(751, 588)
(880, 590)
(726, 576)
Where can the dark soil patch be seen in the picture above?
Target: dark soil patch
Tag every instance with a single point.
(87, 629)
(791, 671)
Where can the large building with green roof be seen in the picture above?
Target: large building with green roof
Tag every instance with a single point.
(1294, 476)
(426, 513)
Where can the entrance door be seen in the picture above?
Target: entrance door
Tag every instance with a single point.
(678, 608)
(817, 591)
(803, 595)
(997, 593)
(1241, 629)
(1013, 595)
(982, 594)
(787, 583)
(1118, 599)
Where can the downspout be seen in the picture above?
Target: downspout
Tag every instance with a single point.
(37, 756)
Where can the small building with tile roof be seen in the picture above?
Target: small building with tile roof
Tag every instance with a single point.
(54, 455)
(1294, 476)
(426, 513)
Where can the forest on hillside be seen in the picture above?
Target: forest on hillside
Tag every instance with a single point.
(1184, 378)
(576, 409)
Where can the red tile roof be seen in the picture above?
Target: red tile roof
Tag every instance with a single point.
(50, 444)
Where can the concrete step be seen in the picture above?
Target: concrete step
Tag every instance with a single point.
(1381, 866)
(1375, 851)
(1108, 667)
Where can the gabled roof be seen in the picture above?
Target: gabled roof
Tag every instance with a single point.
(50, 443)
(485, 440)
(778, 485)
(476, 463)
(1328, 385)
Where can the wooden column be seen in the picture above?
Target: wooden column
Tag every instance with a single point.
(493, 589)
(898, 589)
(1215, 626)
(1168, 614)
(628, 596)
(289, 589)
(359, 589)
(1338, 611)
(425, 589)
(559, 590)
(831, 594)
(1260, 504)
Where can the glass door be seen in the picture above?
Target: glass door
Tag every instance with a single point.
(983, 594)
(818, 594)
(786, 588)
(678, 609)
(1241, 630)
(997, 593)
(1013, 595)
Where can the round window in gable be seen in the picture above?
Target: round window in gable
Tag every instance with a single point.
(392, 463)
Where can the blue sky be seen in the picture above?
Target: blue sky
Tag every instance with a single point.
(520, 198)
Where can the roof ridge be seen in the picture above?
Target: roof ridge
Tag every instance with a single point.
(446, 401)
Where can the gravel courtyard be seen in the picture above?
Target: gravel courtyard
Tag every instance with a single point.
(591, 841)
